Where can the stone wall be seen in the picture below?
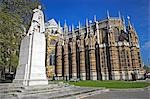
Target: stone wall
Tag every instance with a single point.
(118, 52)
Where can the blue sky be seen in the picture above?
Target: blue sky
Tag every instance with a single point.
(78, 10)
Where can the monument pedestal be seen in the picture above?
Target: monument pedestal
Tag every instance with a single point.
(31, 69)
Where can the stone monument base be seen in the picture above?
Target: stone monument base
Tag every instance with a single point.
(31, 82)
(31, 70)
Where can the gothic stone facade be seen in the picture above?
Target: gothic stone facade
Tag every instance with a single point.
(52, 35)
(102, 50)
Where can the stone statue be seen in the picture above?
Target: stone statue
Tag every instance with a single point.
(37, 23)
(31, 69)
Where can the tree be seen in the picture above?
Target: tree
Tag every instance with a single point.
(23, 8)
(10, 36)
(15, 15)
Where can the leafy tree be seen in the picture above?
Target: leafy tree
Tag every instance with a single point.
(23, 8)
(15, 15)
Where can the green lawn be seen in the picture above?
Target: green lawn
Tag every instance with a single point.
(111, 84)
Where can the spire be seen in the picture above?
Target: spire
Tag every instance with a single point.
(90, 27)
(129, 23)
(87, 23)
(59, 27)
(124, 24)
(123, 20)
(65, 24)
(87, 27)
(94, 18)
(73, 32)
(108, 14)
(65, 27)
(119, 15)
(72, 28)
(69, 28)
(79, 25)
(65, 30)
(59, 24)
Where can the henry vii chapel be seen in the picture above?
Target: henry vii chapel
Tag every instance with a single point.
(100, 50)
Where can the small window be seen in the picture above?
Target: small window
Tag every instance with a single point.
(52, 60)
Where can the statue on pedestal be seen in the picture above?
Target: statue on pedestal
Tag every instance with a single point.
(31, 69)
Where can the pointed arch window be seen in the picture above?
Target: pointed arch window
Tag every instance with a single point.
(116, 33)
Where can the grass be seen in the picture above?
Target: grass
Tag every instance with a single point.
(111, 84)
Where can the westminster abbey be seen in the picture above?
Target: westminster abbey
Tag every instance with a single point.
(100, 50)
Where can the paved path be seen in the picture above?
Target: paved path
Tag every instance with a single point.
(123, 94)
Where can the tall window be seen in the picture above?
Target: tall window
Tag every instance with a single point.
(78, 61)
(52, 58)
(116, 32)
(70, 61)
(87, 62)
(98, 68)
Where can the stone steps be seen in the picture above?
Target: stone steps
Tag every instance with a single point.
(50, 91)
(27, 90)
(63, 93)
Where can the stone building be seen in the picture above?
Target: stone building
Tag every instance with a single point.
(53, 31)
(100, 50)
